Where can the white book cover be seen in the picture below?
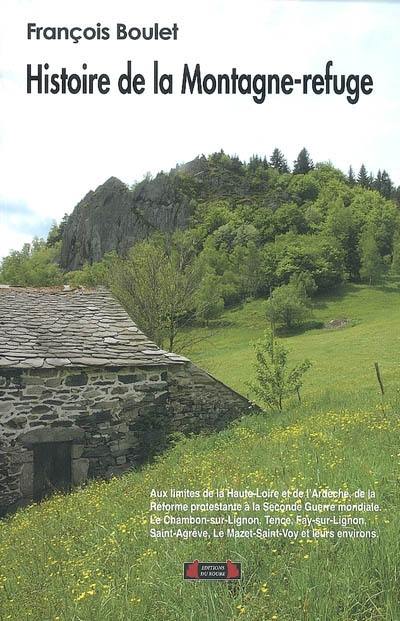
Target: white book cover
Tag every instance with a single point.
(199, 310)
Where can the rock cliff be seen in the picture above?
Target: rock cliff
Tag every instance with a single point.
(113, 217)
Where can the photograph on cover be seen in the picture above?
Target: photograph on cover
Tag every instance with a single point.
(199, 310)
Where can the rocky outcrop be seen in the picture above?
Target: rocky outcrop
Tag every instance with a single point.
(113, 217)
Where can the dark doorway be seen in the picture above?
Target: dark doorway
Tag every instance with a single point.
(51, 468)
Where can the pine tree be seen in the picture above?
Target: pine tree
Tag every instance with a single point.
(254, 163)
(362, 177)
(382, 183)
(57, 231)
(279, 162)
(386, 185)
(350, 176)
(396, 195)
(303, 164)
(371, 180)
(377, 185)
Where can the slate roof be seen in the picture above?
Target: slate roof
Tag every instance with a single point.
(54, 327)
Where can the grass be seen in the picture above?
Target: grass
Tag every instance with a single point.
(88, 556)
(343, 359)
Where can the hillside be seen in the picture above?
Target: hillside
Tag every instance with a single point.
(89, 556)
(343, 359)
(114, 217)
(217, 231)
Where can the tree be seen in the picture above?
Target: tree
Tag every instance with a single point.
(274, 380)
(386, 185)
(230, 235)
(350, 176)
(257, 162)
(303, 164)
(278, 161)
(251, 270)
(341, 225)
(303, 188)
(157, 288)
(95, 274)
(36, 265)
(288, 306)
(372, 265)
(304, 283)
(396, 195)
(53, 235)
(209, 300)
(395, 266)
(178, 294)
(362, 177)
(246, 261)
(137, 283)
(377, 185)
(319, 255)
(56, 232)
(288, 217)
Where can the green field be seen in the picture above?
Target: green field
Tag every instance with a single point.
(88, 556)
(343, 359)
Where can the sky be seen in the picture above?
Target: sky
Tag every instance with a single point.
(54, 149)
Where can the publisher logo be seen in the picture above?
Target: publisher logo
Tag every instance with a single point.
(198, 570)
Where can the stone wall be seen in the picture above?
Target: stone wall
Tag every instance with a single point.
(115, 417)
(197, 401)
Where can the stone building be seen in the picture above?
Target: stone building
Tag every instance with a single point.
(84, 393)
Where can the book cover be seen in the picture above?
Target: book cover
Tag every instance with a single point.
(199, 310)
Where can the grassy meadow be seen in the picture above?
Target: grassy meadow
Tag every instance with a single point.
(343, 359)
(88, 556)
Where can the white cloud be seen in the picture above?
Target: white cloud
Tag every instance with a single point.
(54, 149)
